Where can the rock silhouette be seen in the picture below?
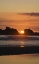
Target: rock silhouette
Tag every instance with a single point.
(9, 31)
(30, 32)
(12, 31)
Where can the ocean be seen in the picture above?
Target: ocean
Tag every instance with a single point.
(19, 41)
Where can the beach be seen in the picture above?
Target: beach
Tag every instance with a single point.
(20, 59)
(19, 49)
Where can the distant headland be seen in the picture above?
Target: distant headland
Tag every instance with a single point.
(12, 31)
(9, 31)
(30, 32)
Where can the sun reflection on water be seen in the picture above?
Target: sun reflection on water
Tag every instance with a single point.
(21, 44)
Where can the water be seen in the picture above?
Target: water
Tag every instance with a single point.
(19, 40)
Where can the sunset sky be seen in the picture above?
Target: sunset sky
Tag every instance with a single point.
(9, 16)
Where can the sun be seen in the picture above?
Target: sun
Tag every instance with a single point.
(22, 32)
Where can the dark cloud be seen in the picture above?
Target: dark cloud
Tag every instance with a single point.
(31, 14)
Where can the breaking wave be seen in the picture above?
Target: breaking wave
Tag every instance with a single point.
(17, 37)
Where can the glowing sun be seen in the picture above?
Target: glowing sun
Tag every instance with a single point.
(22, 32)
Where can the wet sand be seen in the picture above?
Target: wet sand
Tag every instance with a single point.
(10, 50)
(19, 55)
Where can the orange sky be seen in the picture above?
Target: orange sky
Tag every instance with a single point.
(9, 16)
(19, 21)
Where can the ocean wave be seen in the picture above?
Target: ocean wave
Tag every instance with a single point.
(19, 38)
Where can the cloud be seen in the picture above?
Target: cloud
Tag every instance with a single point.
(31, 14)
